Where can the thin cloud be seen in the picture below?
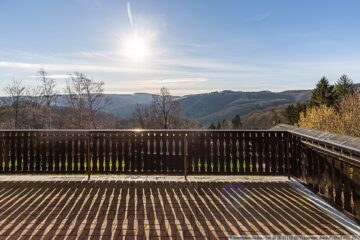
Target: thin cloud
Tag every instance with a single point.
(54, 76)
(78, 67)
(184, 80)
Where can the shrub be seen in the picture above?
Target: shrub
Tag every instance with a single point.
(343, 119)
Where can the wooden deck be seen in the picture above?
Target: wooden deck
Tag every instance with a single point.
(55, 207)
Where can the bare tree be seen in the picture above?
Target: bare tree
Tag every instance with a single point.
(167, 109)
(140, 116)
(14, 102)
(95, 98)
(48, 96)
(144, 117)
(86, 98)
(75, 97)
(34, 108)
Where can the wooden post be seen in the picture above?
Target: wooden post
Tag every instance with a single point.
(288, 162)
(185, 157)
(88, 158)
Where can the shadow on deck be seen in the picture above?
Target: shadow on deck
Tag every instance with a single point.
(111, 209)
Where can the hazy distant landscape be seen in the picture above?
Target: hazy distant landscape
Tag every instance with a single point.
(211, 107)
(255, 108)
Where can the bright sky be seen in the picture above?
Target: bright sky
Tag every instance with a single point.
(188, 46)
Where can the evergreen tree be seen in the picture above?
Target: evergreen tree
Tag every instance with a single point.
(322, 94)
(236, 122)
(225, 124)
(292, 112)
(343, 87)
(218, 126)
(212, 126)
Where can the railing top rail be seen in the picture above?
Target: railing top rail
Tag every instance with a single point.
(326, 142)
(137, 130)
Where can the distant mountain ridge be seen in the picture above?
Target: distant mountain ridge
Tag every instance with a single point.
(216, 106)
(211, 107)
(205, 108)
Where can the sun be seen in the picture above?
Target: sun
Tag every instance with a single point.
(136, 47)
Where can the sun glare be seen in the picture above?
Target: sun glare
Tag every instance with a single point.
(136, 47)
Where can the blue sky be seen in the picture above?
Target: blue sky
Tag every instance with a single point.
(189, 46)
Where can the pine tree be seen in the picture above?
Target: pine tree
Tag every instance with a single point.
(236, 122)
(322, 94)
(218, 126)
(343, 87)
(212, 126)
(292, 112)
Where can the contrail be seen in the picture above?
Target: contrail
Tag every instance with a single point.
(129, 14)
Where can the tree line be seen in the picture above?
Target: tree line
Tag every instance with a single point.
(43, 107)
(81, 106)
(235, 123)
(333, 108)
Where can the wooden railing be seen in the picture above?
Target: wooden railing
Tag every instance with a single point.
(145, 152)
(329, 169)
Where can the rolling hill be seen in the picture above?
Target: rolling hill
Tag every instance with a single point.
(211, 107)
(206, 108)
(216, 106)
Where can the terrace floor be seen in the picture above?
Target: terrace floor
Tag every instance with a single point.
(144, 207)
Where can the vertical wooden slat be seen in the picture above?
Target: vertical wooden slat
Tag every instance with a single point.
(70, 150)
(216, 153)
(155, 157)
(206, 153)
(125, 151)
(355, 186)
(12, 155)
(107, 137)
(77, 162)
(114, 151)
(196, 152)
(212, 149)
(52, 158)
(19, 152)
(147, 155)
(227, 154)
(260, 151)
(2, 148)
(55, 155)
(201, 153)
(280, 154)
(132, 146)
(82, 152)
(273, 145)
(38, 152)
(241, 149)
(135, 152)
(221, 152)
(159, 154)
(254, 145)
(347, 187)
(180, 152)
(267, 152)
(141, 151)
(25, 155)
(234, 152)
(62, 151)
(170, 150)
(101, 152)
(247, 154)
(151, 161)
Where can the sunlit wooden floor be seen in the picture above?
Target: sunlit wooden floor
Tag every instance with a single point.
(115, 209)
